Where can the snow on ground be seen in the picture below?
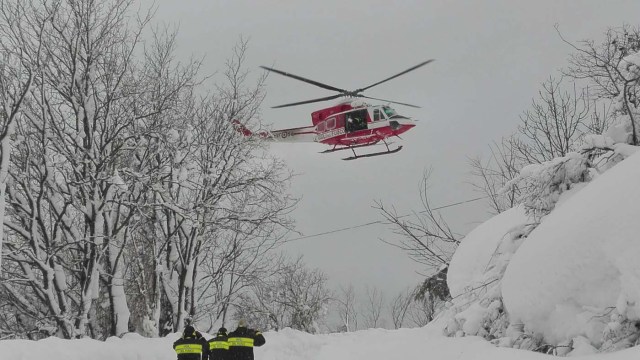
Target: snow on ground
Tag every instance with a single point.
(375, 344)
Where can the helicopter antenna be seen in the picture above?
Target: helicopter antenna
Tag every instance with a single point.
(342, 92)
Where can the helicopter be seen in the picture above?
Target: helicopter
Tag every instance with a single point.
(348, 125)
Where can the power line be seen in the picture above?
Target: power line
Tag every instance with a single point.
(335, 231)
(458, 203)
(378, 221)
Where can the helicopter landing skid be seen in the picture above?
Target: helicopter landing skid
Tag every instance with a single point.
(347, 147)
(374, 154)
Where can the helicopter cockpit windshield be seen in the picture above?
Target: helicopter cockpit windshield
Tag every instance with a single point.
(391, 113)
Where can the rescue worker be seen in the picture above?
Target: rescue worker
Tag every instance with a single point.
(350, 126)
(191, 346)
(242, 340)
(218, 346)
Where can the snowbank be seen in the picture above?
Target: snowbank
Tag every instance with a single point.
(578, 272)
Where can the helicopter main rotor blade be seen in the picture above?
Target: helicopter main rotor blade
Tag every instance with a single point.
(309, 101)
(324, 86)
(395, 76)
(394, 102)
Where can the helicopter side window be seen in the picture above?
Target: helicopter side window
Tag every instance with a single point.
(377, 115)
(331, 123)
(320, 126)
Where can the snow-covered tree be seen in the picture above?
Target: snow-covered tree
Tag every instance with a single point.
(399, 307)
(553, 125)
(346, 305)
(127, 175)
(211, 181)
(239, 259)
(373, 308)
(542, 184)
(427, 239)
(294, 296)
(66, 190)
(612, 68)
(492, 174)
(17, 47)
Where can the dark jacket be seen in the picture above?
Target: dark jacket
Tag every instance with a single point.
(191, 347)
(241, 343)
(219, 347)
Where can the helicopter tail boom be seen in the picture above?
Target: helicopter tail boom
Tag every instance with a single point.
(299, 134)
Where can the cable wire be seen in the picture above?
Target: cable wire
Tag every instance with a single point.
(379, 221)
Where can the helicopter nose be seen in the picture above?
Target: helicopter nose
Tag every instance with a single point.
(400, 126)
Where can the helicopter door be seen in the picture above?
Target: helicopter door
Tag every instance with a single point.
(355, 120)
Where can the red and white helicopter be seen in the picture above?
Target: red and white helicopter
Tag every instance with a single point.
(348, 125)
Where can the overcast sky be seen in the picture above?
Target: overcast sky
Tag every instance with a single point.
(491, 57)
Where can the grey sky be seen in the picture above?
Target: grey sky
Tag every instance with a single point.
(490, 56)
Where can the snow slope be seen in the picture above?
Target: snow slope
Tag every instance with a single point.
(581, 261)
(572, 281)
